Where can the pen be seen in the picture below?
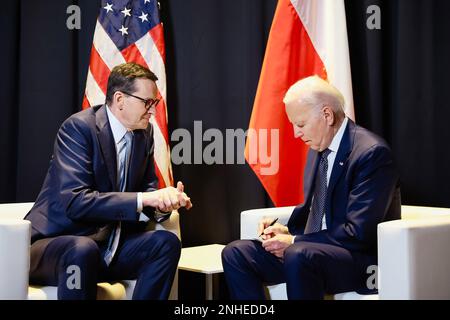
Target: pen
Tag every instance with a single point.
(271, 224)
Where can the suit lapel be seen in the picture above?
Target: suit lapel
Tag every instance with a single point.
(105, 137)
(300, 215)
(310, 174)
(340, 162)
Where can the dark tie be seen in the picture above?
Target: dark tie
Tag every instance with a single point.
(124, 147)
(314, 223)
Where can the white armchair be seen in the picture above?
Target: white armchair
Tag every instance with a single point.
(15, 259)
(413, 255)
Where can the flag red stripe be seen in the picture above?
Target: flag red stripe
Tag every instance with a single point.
(157, 34)
(85, 103)
(132, 54)
(161, 182)
(160, 117)
(99, 69)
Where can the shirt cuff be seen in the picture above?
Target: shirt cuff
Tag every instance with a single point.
(293, 239)
(140, 206)
(159, 215)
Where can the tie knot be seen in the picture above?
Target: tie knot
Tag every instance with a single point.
(128, 137)
(324, 154)
(125, 143)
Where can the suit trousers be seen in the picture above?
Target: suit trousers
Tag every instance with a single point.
(309, 269)
(150, 257)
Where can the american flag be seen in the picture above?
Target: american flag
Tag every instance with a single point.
(131, 31)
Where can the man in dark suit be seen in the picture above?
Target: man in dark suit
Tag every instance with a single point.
(350, 185)
(99, 192)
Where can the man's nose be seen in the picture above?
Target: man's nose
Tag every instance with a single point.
(298, 133)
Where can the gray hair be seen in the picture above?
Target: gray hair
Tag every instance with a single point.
(316, 92)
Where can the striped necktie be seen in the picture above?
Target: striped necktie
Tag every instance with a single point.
(314, 223)
(124, 147)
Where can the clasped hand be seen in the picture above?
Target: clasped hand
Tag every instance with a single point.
(167, 199)
(276, 238)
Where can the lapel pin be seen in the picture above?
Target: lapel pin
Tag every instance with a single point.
(341, 163)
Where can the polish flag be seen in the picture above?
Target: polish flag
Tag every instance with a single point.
(307, 37)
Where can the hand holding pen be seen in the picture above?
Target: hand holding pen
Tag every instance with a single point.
(263, 225)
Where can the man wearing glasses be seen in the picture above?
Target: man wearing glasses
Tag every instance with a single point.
(99, 192)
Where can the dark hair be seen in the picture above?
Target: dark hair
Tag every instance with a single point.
(123, 76)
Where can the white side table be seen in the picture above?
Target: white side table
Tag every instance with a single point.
(14, 258)
(203, 259)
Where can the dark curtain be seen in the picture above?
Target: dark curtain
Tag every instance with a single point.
(215, 51)
(401, 89)
(42, 83)
(214, 55)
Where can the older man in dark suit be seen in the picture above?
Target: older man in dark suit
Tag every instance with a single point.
(99, 192)
(350, 185)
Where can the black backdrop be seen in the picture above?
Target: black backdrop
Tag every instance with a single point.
(215, 50)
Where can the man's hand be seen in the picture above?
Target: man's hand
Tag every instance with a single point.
(269, 232)
(277, 244)
(167, 199)
(184, 199)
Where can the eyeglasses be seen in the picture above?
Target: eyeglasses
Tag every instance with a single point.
(148, 102)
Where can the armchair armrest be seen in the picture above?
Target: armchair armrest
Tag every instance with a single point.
(172, 224)
(250, 219)
(413, 258)
(249, 225)
(14, 259)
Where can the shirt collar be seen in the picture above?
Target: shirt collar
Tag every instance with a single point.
(117, 128)
(334, 146)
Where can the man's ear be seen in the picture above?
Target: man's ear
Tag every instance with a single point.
(118, 99)
(329, 115)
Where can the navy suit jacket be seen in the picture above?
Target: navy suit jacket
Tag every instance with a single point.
(362, 192)
(80, 193)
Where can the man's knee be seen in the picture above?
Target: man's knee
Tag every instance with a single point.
(167, 241)
(81, 249)
(301, 254)
(235, 249)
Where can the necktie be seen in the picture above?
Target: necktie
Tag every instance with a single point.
(124, 147)
(314, 223)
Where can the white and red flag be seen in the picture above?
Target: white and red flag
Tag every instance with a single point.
(307, 37)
